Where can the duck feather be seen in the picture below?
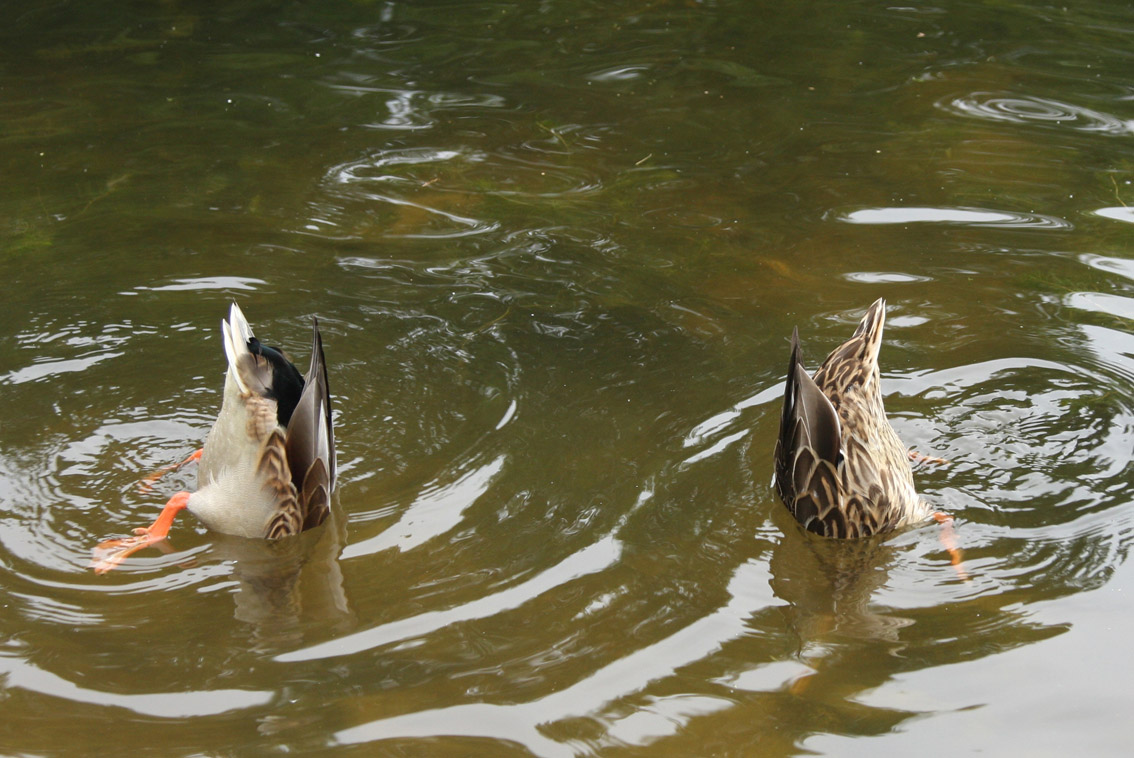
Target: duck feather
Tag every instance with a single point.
(268, 465)
(840, 467)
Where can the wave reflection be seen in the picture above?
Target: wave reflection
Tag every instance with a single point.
(23, 675)
(1119, 213)
(1120, 266)
(413, 110)
(748, 592)
(1036, 110)
(434, 192)
(960, 216)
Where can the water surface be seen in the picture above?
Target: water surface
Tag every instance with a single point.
(556, 251)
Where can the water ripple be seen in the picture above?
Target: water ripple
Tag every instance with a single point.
(1123, 267)
(960, 216)
(21, 674)
(1101, 302)
(412, 110)
(748, 593)
(1118, 213)
(1027, 439)
(590, 560)
(1036, 110)
(436, 510)
(49, 369)
(884, 277)
(435, 193)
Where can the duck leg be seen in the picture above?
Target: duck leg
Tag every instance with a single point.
(917, 457)
(148, 481)
(110, 553)
(949, 542)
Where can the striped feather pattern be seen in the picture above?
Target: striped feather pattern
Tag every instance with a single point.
(841, 469)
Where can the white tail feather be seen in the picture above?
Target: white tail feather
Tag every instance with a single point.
(236, 332)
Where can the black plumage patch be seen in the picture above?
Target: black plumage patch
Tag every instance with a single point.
(287, 382)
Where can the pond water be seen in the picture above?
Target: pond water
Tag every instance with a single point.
(557, 250)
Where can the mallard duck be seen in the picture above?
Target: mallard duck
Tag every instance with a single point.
(267, 469)
(840, 468)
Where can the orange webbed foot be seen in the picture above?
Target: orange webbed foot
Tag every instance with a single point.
(949, 542)
(917, 457)
(110, 553)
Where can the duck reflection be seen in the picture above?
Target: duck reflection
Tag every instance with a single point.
(848, 643)
(284, 587)
(827, 585)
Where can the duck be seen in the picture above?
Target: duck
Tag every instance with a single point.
(840, 467)
(267, 468)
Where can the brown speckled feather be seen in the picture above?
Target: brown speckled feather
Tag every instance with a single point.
(840, 467)
(276, 476)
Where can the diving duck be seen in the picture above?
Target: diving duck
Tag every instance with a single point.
(267, 469)
(840, 468)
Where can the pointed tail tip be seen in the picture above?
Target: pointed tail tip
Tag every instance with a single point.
(876, 312)
(238, 323)
(316, 336)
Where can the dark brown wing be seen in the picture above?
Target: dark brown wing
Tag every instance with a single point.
(808, 452)
(316, 495)
(311, 440)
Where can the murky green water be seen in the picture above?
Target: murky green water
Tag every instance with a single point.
(556, 250)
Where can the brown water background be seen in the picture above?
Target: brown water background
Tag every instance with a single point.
(556, 250)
